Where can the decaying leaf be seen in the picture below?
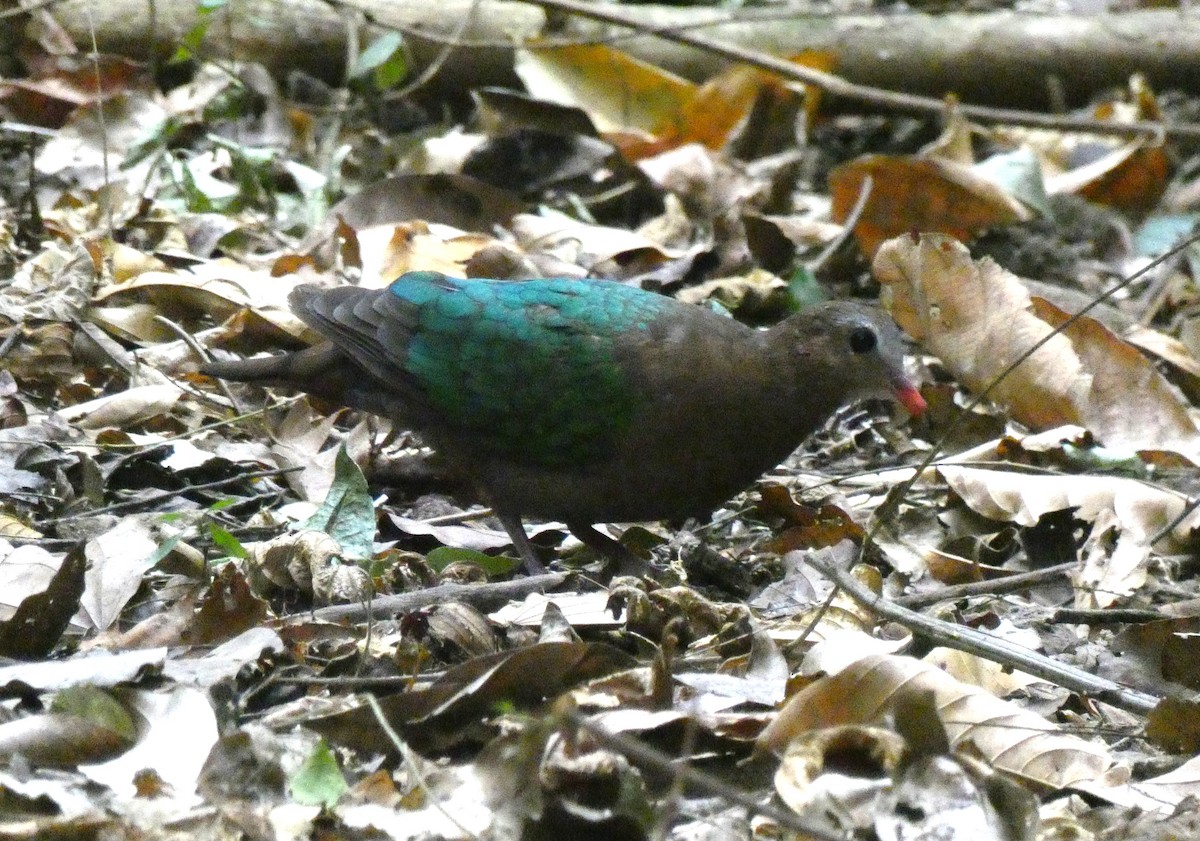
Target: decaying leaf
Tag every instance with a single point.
(919, 194)
(864, 692)
(979, 320)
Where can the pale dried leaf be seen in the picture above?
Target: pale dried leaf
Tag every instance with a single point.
(218, 287)
(388, 251)
(578, 242)
(123, 408)
(53, 285)
(1014, 740)
(1142, 510)
(979, 319)
(117, 561)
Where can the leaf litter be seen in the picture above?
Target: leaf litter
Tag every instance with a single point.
(171, 545)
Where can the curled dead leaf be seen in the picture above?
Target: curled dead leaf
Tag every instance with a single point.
(308, 561)
(867, 689)
(980, 319)
(910, 193)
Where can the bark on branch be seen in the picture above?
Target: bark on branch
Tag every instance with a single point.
(1001, 57)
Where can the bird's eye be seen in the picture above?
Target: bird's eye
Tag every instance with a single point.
(863, 340)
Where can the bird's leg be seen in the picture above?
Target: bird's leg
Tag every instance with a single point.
(516, 532)
(627, 562)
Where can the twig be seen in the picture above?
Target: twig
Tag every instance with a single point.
(482, 596)
(458, 517)
(362, 684)
(838, 86)
(647, 756)
(158, 497)
(201, 352)
(860, 204)
(412, 763)
(992, 587)
(1117, 616)
(985, 645)
(443, 54)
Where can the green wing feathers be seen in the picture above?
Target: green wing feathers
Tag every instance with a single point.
(524, 369)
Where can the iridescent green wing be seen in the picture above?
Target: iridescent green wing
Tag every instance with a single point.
(529, 369)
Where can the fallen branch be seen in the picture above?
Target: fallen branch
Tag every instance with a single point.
(482, 596)
(987, 646)
(983, 58)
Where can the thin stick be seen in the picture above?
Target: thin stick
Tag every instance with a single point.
(993, 648)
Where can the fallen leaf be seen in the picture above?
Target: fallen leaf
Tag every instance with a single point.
(1016, 741)
(979, 319)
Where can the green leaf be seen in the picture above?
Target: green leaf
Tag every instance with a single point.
(189, 45)
(391, 73)
(319, 781)
(185, 181)
(493, 565)
(348, 513)
(226, 542)
(97, 706)
(804, 290)
(163, 550)
(383, 51)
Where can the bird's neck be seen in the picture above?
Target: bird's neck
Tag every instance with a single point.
(799, 378)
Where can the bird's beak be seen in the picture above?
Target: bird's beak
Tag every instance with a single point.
(908, 397)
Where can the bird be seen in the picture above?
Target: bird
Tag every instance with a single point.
(585, 401)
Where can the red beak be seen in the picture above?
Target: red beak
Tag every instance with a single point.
(910, 398)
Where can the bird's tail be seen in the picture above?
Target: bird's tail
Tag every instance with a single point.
(323, 371)
(298, 369)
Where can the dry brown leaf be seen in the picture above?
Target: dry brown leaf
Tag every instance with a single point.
(1170, 350)
(449, 711)
(289, 561)
(1132, 177)
(1129, 401)
(53, 285)
(388, 251)
(219, 288)
(1142, 509)
(1165, 653)
(720, 105)
(124, 407)
(1014, 740)
(979, 319)
(584, 244)
(748, 295)
(1174, 726)
(1156, 795)
(616, 90)
(954, 143)
(458, 201)
(919, 194)
(875, 754)
(1126, 515)
(992, 677)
